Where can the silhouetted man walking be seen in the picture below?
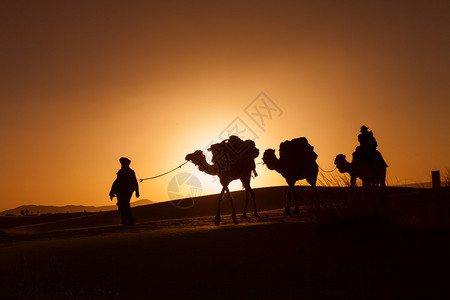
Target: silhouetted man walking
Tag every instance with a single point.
(123, 188)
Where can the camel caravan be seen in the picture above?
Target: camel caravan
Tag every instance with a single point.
(234, 159)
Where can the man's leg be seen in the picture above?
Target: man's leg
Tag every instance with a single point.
(123, 202)
(121, 211)
(129, 215)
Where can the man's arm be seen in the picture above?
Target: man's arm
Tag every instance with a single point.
(113, 191)
(136, 185)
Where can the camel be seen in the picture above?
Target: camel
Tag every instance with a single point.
(232, 159)
(297, 161)
(371, 173)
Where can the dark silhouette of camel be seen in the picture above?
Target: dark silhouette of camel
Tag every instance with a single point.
(297, 161)
(371, 173)
(367, 163)
(232, 159)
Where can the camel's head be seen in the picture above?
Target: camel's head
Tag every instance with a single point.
(195, 157)
(270, 159)
(198, 159)
(340, 161)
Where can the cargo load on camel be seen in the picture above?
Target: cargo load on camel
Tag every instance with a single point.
(297, 150)
(234, 152)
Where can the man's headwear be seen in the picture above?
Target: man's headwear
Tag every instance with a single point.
(364, 128)
(124, 161)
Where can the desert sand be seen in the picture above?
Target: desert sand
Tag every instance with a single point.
(174, 253)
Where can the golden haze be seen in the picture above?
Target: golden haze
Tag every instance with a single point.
(83, 84)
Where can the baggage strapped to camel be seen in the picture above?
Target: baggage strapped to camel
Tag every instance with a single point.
(233, 150)
(298, 148)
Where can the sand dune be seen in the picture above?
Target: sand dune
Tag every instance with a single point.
(267, 199)
(176, 253)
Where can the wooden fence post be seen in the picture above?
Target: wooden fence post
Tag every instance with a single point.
(436, 179)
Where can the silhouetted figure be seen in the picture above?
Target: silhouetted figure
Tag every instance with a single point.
(366, 138)
(367, 164)
(232, 159)
(123, 188)
(297, 161)
(367, 149)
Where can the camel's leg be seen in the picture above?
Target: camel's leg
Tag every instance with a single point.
(248, 190)
(312, 180)
(352, 181)
(233, 215)
(218, 205)
(287, 210)
(252, 193)
(296, 210)
(244, 215)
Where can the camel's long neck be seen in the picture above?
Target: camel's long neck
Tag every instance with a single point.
(345, 167)
(273, 163)
(205, 167)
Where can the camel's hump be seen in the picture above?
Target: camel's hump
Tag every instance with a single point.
(299, 148)
(234, 147)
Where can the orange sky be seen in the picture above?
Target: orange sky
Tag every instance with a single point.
(86, 82)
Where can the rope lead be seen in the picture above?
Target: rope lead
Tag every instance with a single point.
(327, 171)
(140, 180)
(259, 163)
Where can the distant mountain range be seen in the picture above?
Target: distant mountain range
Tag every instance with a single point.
(44, 209)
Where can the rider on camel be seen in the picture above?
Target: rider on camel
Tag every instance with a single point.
(367, 150)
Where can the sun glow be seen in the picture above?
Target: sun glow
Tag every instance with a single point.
(181, 78)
